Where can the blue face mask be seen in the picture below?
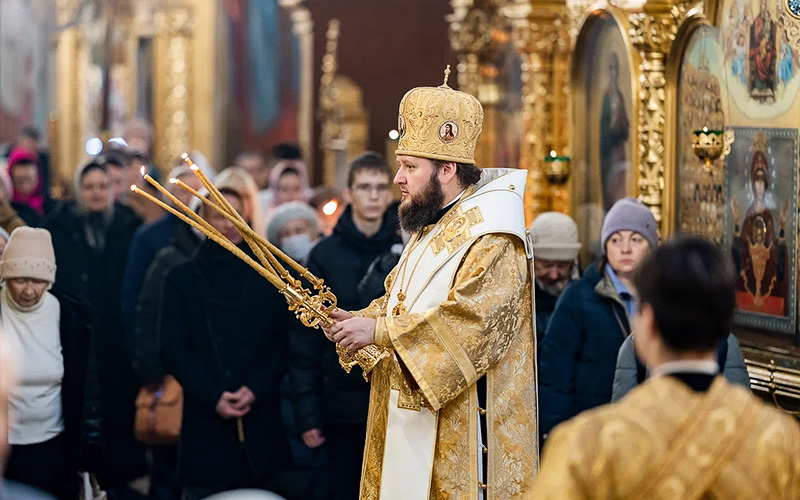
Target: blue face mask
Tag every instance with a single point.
(298, 246)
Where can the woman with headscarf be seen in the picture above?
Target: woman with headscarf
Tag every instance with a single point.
(91, 240)
(47, 334)
(288, 181)
(27, 192)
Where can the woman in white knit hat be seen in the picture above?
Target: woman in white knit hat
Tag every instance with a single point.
(47, 336)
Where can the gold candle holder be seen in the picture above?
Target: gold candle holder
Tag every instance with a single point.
(708, 145)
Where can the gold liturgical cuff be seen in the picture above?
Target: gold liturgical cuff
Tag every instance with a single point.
(382, 332)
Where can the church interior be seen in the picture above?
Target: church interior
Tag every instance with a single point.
(691, 106)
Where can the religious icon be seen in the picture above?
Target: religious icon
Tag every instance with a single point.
(401, 126)
(761, 237)
(763, 55)
(448, 131)
(614, 131)
(601, 105)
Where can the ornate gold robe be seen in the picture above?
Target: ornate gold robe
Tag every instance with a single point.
(664, 441)
(483, 328)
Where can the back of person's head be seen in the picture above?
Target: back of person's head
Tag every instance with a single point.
(689, 284)
(368, 161)
(117, 157)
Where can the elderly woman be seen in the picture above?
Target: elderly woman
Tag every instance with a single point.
(294, 228)
(91, 241)
(47, 334)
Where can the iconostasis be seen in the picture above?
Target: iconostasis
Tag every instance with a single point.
(649, 89)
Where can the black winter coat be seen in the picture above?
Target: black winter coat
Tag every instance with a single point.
(75, 330)
(146, 341)
(579, 350)
(323, 393)
(223, 326)
(96, 277)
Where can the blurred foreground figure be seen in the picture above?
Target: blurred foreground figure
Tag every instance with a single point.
(686, 432)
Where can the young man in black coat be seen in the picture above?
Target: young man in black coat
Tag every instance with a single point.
(224, 334)
(331, 405)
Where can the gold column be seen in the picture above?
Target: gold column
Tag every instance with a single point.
(172, 83)
(652, 32)
(69, 132)
(543, 40)
(303, 28)
(471, 26)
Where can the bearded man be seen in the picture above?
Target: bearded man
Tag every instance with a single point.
(453, 410)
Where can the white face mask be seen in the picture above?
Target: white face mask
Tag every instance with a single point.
(297, 246)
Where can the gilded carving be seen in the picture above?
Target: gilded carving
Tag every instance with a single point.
(652, 34)
(542, 37)
(176, 25)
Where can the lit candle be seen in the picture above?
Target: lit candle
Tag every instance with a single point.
(246, 231)
(214, 235)
(176, 201)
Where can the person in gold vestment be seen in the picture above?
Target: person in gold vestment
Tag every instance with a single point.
(453, 409)
(685, 433)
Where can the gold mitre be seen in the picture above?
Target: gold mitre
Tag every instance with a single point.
(439, 123)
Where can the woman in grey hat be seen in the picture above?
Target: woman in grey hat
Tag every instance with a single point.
(579, 350)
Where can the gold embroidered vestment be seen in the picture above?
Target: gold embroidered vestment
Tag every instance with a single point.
(663, 442)
(483, 328)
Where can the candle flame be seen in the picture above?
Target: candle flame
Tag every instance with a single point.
(143, 171)
(173, 180)
(133, 187)
(330, 207)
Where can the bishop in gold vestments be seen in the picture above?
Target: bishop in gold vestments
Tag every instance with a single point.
(458, 308)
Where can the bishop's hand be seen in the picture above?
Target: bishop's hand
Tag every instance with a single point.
(337, 315)
(353, 333)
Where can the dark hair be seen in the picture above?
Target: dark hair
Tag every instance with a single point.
(290, 171)
(31, 132)
(116, 157)
(467, 174)
(286, 151)
(689, 284)
(368, 160)
(92, 165)
(138, 155)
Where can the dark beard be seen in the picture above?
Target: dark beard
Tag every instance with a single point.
(422, 210)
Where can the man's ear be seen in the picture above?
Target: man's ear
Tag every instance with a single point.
(347, 196)
(447, 172)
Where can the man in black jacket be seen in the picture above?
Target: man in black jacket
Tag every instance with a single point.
(330, 405)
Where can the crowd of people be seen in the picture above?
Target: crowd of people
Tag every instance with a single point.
(106, 299)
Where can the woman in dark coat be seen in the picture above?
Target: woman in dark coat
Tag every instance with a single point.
(224, 338)
(91, 240)
(592, 319)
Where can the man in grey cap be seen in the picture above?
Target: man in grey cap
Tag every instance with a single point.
(555, 247)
